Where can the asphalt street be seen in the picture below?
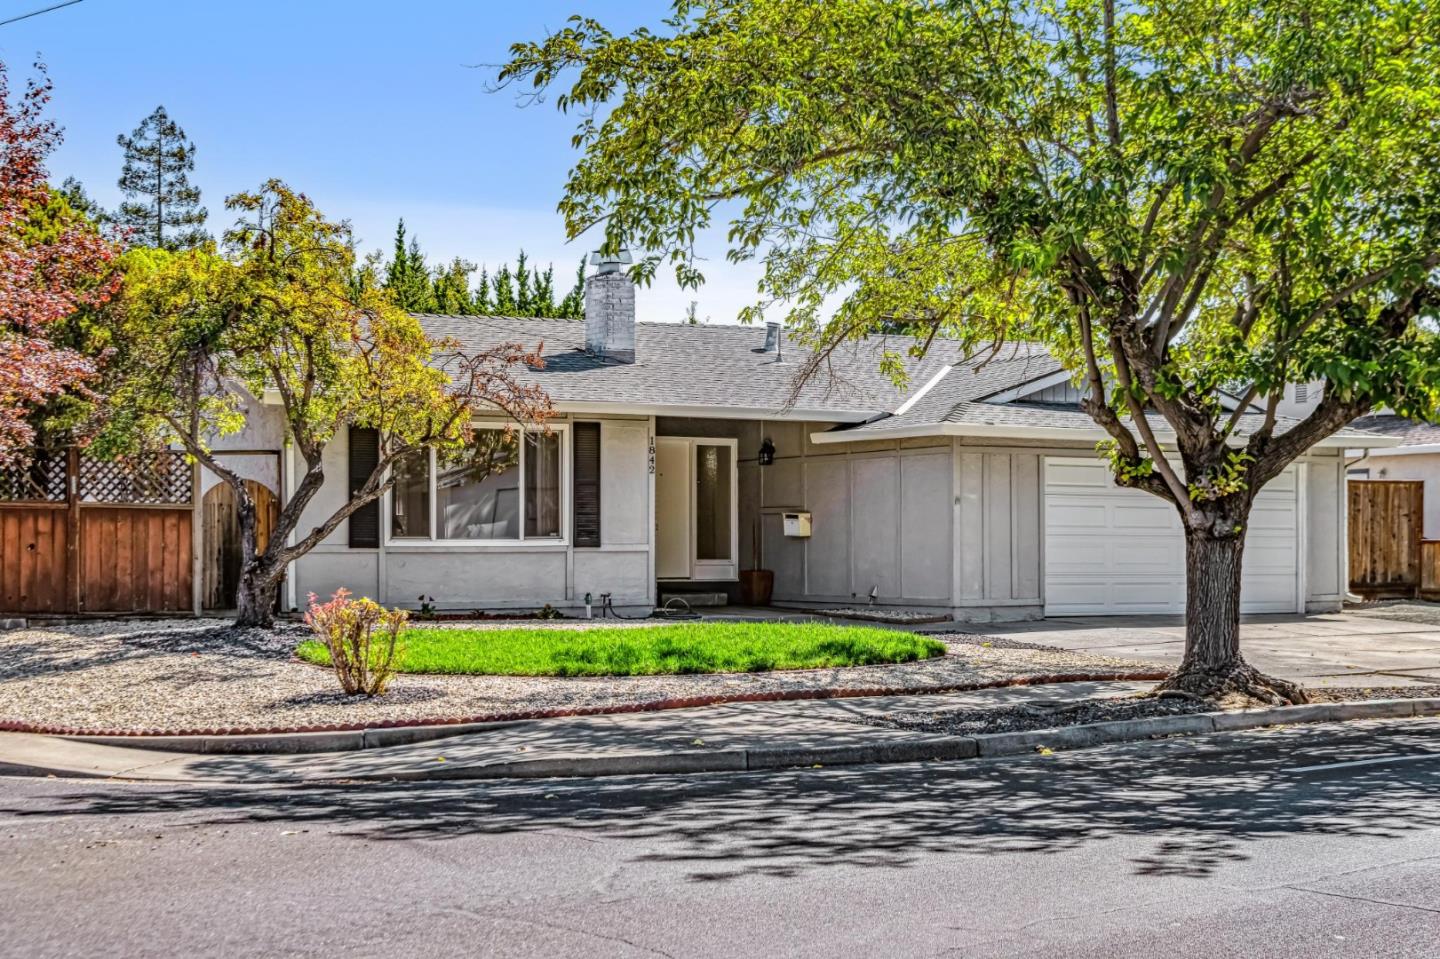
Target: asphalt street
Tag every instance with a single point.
(1307, 841)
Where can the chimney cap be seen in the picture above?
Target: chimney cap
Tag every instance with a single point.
(611, 263)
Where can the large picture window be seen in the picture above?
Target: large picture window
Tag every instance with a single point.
(505, 486)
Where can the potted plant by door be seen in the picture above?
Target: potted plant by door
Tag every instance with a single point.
(756, 584)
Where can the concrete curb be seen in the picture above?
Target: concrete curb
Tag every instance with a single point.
(332, 738)
(294, 744)
(930, 748)
(918, 749)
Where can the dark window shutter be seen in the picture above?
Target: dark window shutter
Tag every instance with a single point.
(364, 454)
(587, 484)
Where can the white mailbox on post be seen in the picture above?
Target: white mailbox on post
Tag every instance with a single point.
(797, 524)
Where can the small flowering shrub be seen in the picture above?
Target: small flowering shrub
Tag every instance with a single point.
(362, 638)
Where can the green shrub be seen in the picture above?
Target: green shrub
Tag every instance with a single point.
(362, 638)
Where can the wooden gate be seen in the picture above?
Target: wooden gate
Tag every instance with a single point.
(95, 536)
(221, 536)
(1386, 528)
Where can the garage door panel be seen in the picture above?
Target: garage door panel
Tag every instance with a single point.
(1082, 514)
(1110, 550)
(1062, 473)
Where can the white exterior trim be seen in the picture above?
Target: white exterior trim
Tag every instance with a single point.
(1416, 450)
(1016, 431)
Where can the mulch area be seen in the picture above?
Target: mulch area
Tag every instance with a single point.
(204, 676)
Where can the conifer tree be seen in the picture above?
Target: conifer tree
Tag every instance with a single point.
(450, 291)
(81, 202)
(503, 292)
(162, 207)
(524, 294)
(481, 298)
(407, 278)
(543, 297)
(573, 306)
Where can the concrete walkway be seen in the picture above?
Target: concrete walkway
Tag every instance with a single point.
(675, 740)
(1340, 649)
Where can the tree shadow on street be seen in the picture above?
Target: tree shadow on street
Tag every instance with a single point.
(1200, 802)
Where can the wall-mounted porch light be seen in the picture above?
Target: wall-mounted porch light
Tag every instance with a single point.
(767, 452)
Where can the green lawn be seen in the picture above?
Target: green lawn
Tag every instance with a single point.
(704, 647)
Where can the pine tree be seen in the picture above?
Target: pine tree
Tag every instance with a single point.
(544, 296)
(503, 291)
(450, 289)
(524, 295)
(573, 306)
(407, 278)
(482, 293)
(81, 202)
(161, 206)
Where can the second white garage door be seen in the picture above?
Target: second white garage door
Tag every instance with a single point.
(1110, 550)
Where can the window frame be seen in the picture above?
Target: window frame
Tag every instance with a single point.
(432, 542)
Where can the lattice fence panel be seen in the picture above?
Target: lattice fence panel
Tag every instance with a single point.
(43, 481)
(148, 479)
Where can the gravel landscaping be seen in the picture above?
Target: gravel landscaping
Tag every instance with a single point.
(202, 675)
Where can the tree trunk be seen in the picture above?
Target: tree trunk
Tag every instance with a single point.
(255, 598)
(1213, 668)
(1212, 602)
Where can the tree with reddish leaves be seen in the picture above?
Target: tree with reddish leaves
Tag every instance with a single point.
(46, 275)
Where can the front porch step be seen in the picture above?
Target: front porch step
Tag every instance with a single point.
(696, 599)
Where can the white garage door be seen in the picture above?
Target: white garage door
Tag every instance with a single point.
(1110, 550)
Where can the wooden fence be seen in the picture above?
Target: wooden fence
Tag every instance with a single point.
(1386, 534)
(79, 535)
(1430, 570)
(221, 538)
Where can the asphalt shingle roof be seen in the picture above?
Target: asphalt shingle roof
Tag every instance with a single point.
(716, 366)
(1409, 432)
(720, 367)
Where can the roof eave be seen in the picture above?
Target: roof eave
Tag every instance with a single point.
(796, 414)
(1402, 449)
(1014, 431)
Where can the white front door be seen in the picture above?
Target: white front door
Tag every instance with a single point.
(1112, 550)
(696, 509)
(672, 508)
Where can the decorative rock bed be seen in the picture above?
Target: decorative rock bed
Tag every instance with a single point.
(177, 676)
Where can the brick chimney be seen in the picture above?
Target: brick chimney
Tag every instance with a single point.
(610, 309)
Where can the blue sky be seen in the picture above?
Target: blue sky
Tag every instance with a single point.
(377, 110)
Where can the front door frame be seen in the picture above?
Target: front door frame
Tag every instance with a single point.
(705, 570)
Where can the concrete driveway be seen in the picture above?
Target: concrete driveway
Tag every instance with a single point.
(1371, 647)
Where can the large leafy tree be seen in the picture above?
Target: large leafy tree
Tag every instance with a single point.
(1176, 195)
(277, 314)
(162, 207)
(53, 263)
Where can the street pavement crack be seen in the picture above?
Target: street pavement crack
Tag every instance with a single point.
(1378, 902)
(558, 927)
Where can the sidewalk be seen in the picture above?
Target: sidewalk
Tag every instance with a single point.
(731, 737)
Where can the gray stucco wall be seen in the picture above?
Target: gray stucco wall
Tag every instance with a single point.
(880, 513)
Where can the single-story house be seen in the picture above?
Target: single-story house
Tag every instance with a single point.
(683, 454)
